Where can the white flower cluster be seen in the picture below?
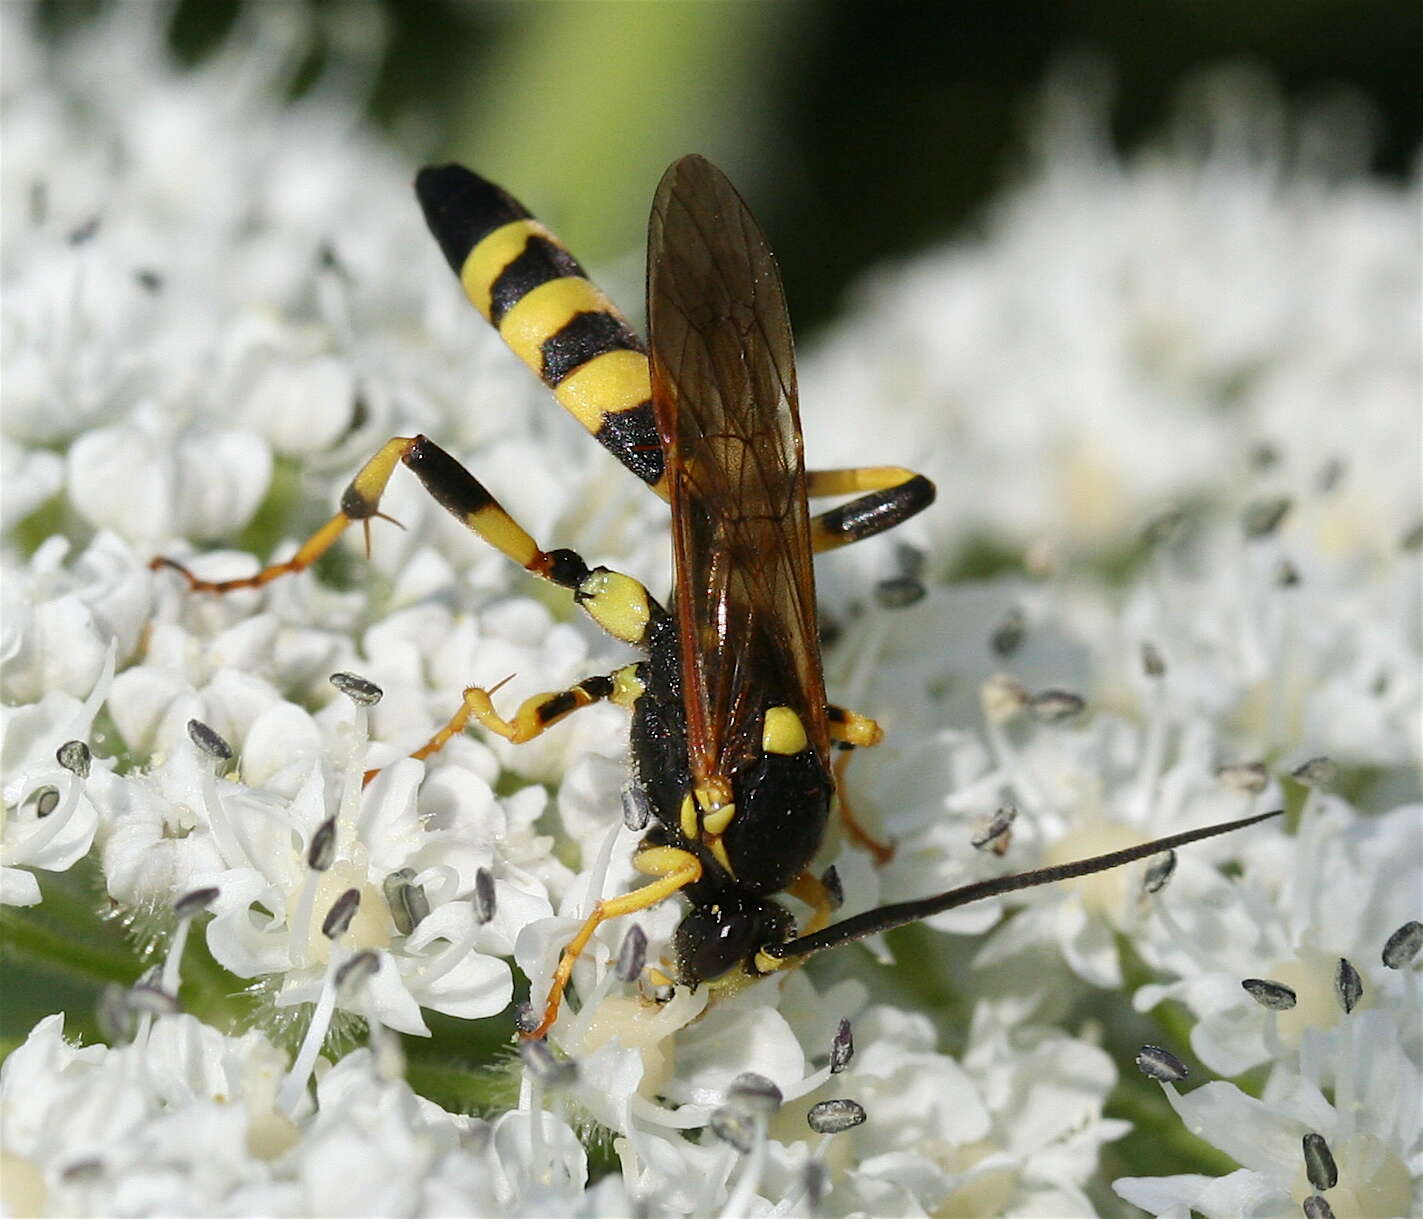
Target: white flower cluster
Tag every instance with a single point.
(217, 305)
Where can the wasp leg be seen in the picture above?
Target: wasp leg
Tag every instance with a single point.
(618, 603)
(534, 716)
(675, 869)
(850, 731)
(810, 889)
(360, 502)
(894, 495)
(850, 728)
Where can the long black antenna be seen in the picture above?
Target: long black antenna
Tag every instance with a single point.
(886, 918)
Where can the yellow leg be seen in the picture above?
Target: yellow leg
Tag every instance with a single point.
(676, 870)
(360, 502)
(452, 486)
(312, 549)
(855, 480)
(534, 716)
(883, 852)
(887, 495)
(850, 728)
(810, 889)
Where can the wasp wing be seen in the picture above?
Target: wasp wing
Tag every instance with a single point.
(724, 394)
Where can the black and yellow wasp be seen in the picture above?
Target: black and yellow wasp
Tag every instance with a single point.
(731, 730)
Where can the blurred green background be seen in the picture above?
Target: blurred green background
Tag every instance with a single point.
(862, 130)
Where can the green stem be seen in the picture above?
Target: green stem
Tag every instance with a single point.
(47, 948)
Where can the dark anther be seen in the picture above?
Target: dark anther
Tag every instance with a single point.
(733, 1127)
(1273, 995)
(1159, 872)
(208, 741)
(550, 1071)
(194, 902)
(835, 1116)
(834, 890)
(1317, 772)
(409, 904)
(1160, 1065)
(754, 1093)
(1054, 706)
(1249, 777)
(321, 854)
(632, 955)
(1010, 632)
(74, 756)
(637, 811)
(353, 973)
(996, 830)
(342, 911)
(842, 1048)
(360, 690)
(484, 896)
(1319, 1164)
(1403, 945)
(1348, 986)
(1262, 517)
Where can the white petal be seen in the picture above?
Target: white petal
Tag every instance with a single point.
(729, 1042)
(18, 887)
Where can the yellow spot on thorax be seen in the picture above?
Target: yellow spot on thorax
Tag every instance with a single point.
(782, 731)
(687, 818)
(716, 823)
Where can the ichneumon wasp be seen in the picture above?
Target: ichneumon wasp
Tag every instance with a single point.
(731, 732)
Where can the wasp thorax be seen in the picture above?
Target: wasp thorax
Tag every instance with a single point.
(713, 939)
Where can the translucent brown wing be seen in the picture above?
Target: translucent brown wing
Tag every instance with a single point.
(724, 393)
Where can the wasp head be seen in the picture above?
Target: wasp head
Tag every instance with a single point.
(715, 937)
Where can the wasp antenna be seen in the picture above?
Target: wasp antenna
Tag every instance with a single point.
(886, 918)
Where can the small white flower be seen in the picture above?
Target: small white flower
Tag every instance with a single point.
(178, 1119)
(61, 619)
(1124, 333)
(53, 821)
(1371, 1130)
(1337, 889)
